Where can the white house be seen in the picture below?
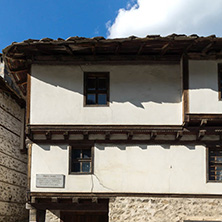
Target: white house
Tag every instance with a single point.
(122, 129)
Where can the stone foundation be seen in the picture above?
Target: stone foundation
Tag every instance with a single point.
(133, 209)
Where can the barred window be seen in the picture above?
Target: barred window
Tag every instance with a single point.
(81, 159)
(215, 164)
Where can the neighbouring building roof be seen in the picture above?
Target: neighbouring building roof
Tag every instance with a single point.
(19, 56)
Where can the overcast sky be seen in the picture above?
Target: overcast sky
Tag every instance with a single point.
(145, 17)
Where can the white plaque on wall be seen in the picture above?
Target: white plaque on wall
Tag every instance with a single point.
(50, 180)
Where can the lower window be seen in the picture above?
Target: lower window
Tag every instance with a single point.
(81, 159)
(215, 164)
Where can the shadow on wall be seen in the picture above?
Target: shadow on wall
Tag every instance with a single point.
(49, 147)
(127, 85)
(141, 146)
(121, 147)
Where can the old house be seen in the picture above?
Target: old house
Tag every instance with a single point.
(13, 160)
(122, 129)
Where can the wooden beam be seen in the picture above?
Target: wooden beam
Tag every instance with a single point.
(105, 128)
(69, 50)
(185, 84)
(104, 196)
(106, 59)
(207, 47)
(29, 166)
(141, 49)
(22, 82)
(28, 99)
(189, 46)
(93, 48)
(117, 48)
(18, 72)
(165, 48)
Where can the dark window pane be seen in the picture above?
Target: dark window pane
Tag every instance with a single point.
(76, 153)
(102, 84)
(102, 99)
(91, 99)
(76, 167)
(218, 159)
(86, 153)
(85, 166)
(91, 84)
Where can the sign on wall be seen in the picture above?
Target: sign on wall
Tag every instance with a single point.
(50, 180)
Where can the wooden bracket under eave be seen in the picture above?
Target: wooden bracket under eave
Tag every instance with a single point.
(179, 135)
(201, 134)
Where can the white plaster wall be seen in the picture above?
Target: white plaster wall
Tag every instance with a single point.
(203, 87)
(125, 168)
(148, 94)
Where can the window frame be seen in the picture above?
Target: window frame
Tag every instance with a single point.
(209, 164)
(219, 82)
(96, 74)
(82, 147)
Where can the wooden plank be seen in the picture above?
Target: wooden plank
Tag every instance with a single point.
(165, 48)
(28, 98)
(219, 81)
(133, 142)
(107, 195)
(206, 117)
(29, 166)
(95, 207)
(207, 47)
(113, 128)
(185, 84)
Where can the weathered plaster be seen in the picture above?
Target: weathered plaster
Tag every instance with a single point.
(145, 94)
(203, 87)
(125, 168)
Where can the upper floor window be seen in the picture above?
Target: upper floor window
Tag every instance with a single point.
(220, 81)
(81, 159)
(215, 164)
(96, 88)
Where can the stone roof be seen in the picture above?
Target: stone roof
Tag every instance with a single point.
(79, 50)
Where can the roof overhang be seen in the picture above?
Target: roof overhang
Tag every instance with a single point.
(77, 50)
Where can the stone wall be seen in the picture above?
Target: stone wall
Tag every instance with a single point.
(155, 209)
(13, 164)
